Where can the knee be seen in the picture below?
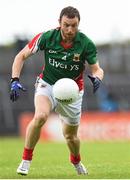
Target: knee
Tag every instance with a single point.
(40, 119)
(70, 137)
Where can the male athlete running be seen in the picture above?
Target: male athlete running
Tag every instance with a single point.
(66, 50)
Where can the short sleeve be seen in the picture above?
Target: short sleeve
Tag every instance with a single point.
(37, 43)
(91, 53)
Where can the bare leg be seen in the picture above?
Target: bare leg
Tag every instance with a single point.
(73, 142)
(42, 110)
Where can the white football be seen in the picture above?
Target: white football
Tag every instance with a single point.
(66, 91)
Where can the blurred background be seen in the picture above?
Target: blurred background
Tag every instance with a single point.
(106, 114)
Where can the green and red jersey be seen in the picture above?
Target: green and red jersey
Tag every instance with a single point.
(63, 61)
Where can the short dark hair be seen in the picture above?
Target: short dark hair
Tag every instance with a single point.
(70, 12)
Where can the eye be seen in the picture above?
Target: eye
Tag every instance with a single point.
(74, 25)
(70, 25)
(66, 25)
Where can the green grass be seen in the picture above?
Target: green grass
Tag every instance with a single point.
(104, 160)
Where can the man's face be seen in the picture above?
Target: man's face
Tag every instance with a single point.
(69, 27)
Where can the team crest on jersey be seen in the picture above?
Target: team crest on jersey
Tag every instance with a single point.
(76, 57)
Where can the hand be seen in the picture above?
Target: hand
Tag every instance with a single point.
(95, 81)
(15, 87)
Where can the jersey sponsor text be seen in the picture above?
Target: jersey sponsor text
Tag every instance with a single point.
(61, 65)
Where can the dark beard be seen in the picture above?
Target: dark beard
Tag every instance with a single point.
(70, 39)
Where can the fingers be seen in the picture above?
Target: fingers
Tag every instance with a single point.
(96, 85)
(91, 78)
(14, 96)
(95, 88)
(15, 90)
(95, 81)
(23, 89)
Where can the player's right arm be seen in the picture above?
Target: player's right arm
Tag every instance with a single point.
(18, 63)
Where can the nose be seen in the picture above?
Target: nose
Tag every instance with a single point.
(70, 30)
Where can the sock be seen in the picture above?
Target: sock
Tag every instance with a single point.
(75, 159)
(27, 154)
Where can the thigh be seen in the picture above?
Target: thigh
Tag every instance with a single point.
(44, 89)
(42, 104)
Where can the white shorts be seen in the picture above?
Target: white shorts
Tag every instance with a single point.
(70, 113)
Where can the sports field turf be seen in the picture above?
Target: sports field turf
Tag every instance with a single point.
(104, 160)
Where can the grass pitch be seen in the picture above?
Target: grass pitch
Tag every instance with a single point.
(104, 160)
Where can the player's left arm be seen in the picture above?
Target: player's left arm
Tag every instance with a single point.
(96, 72)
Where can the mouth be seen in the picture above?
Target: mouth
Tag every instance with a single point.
(69, 35)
